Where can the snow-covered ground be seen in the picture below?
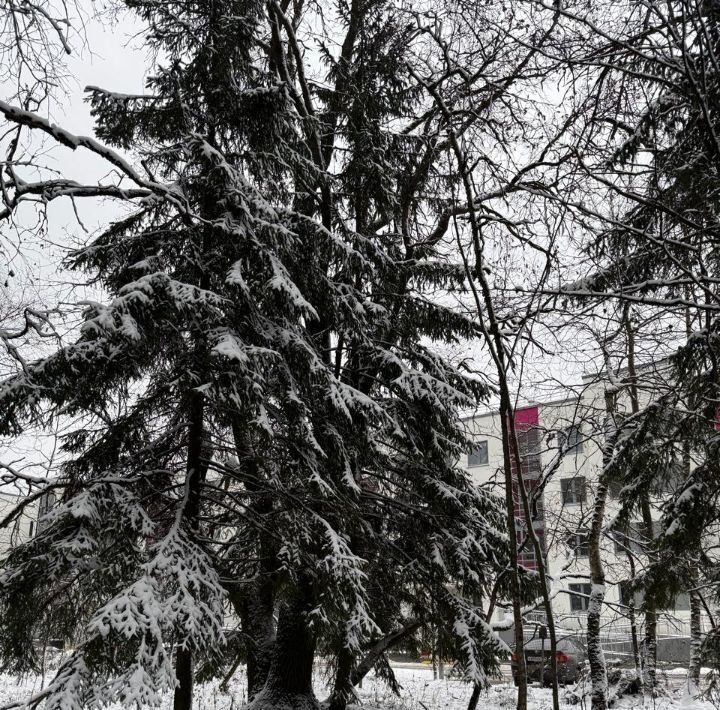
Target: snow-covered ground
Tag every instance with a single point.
(419, 692)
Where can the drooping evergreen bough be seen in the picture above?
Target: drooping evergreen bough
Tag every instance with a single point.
(261, 423)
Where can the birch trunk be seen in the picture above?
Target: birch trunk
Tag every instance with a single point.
(695, 642)
(596, 657)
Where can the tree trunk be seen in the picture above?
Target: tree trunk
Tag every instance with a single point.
(255, 611)
(289, 679)
(695, 642)
(541, 569)
(342, 690)
(255, 607)
(472, 703)
(521, 672)
(380, 647)
(194, 476)
(633, 622)
(650, 643)
(183, 697)
(596, 657)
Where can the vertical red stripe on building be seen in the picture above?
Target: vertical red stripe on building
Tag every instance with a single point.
(527, 431)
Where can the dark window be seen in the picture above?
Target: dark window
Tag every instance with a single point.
(627, 595)
(573, 489)
(579, 597)
(45, 505)
(578, 543)
(478, 455)
(633, 537)
(47, 501)
(571, 439)
(32, 527)
(625, 592)
(682, 602)
(614, 488)
(670, 479)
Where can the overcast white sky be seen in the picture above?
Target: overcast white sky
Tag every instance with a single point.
(111, 59)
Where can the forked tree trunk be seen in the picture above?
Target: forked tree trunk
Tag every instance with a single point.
(289, 680)
(348, 677)
(380, 647)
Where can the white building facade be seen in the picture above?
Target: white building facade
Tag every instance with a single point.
(561, 443)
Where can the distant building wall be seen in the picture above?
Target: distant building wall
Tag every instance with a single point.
(566, 440)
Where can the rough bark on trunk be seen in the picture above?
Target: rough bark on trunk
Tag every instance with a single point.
(194, 476)
(541, 569)
(596, 657)
(650, 642)
(649, 650)
(289, 680)
(342, 690)
(695, 642)
(255, 607)
(632, 618)
(695, 599)
(255, 611)
(521, 671)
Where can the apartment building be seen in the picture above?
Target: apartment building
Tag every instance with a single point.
(21, 528)
(560, 443)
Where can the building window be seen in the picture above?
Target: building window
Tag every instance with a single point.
(570, 439)
(478, 455)
(670, 480)
(573, 490)
(45, 505)
(614, 489)
(579, 596)
(629, 596)
(633, 538)
(578, 542)
(681, 602)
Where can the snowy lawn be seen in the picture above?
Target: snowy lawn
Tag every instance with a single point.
(419, 692)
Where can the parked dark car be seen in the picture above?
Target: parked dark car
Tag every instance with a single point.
(571, 657)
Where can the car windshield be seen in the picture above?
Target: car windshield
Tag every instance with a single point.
(565, 645)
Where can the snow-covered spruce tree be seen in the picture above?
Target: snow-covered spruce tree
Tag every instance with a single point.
(257, 399)
(677, 428)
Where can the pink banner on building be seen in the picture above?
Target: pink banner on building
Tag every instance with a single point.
(526, 418)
